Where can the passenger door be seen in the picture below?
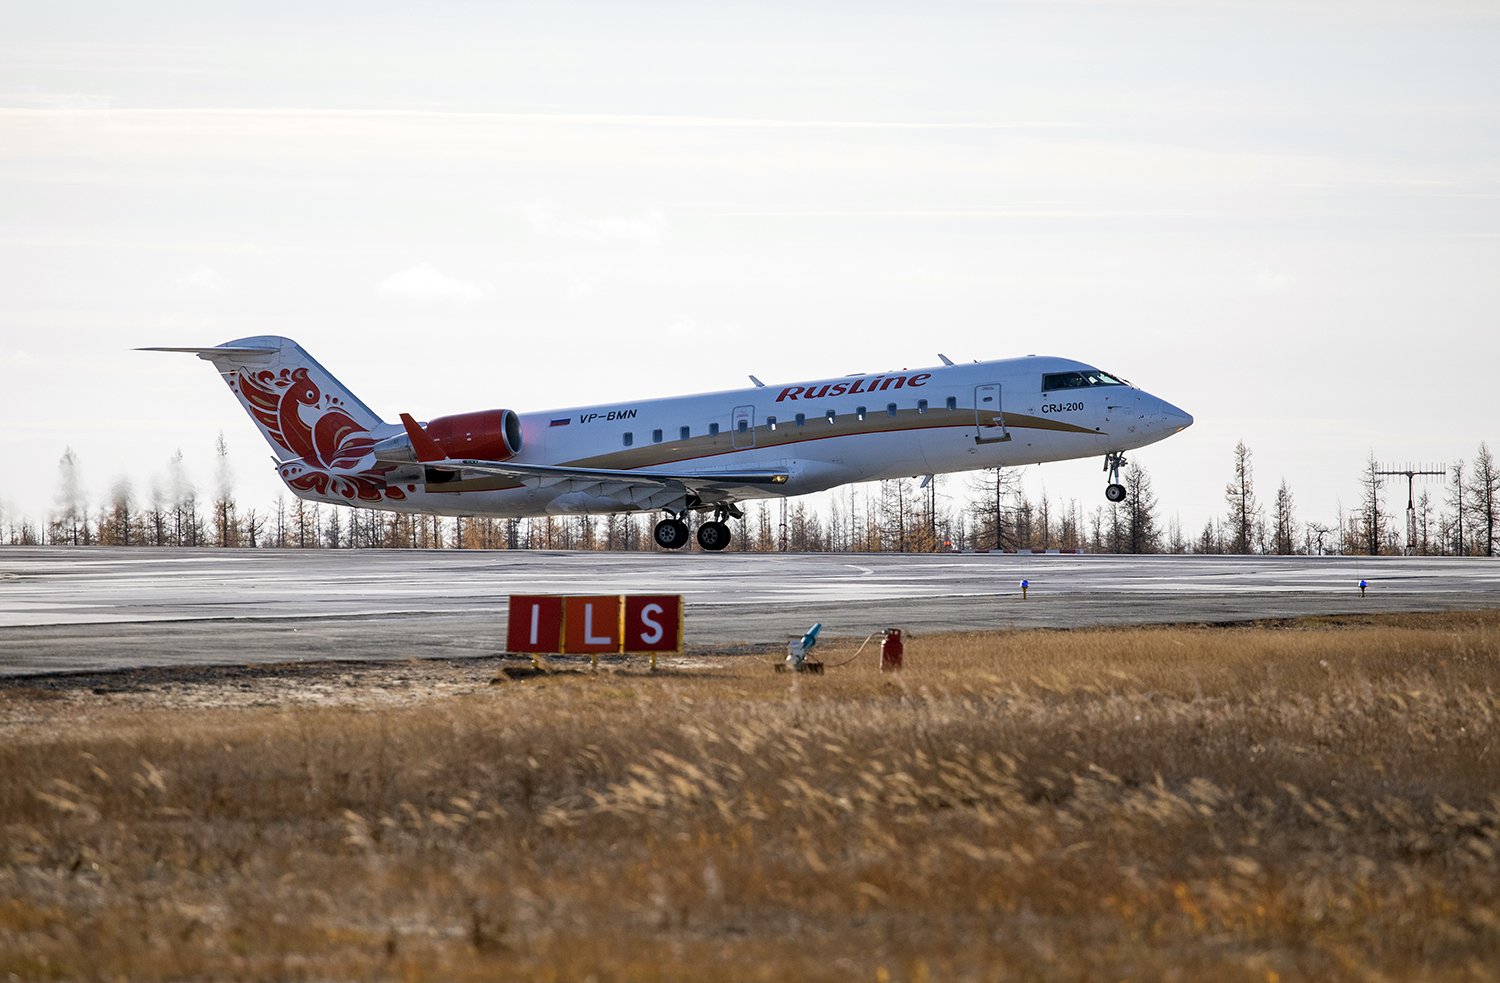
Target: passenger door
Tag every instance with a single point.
(742, 427)
(989, 419)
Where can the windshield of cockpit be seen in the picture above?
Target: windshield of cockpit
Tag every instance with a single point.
(1082, 379)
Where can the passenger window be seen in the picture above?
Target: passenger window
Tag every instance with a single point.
(629, 438)
(921, 406)
(830, 415)
(890, 409)
(859, 412)
(801, 419)
(687, 432)
(713, 429)
(771, 422)
(656, 436)
(744, 426)
(952, 402)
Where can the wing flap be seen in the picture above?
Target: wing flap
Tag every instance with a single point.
(611, 476)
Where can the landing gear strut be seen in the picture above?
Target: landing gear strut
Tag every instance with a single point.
(1114, 491)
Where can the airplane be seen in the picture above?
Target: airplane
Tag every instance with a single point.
(702, 454)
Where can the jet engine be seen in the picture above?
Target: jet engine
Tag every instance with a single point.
(488, 435)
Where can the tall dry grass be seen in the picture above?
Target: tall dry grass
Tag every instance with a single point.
(1319, 800)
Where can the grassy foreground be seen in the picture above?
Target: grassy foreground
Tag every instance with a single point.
(1314, 800)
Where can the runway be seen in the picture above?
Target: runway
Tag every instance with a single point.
(92, 609)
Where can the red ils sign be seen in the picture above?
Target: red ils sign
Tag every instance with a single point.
(547, 624)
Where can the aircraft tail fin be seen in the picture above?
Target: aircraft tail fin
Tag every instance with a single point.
(306, 415)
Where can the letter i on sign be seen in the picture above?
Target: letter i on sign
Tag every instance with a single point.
(535, 625)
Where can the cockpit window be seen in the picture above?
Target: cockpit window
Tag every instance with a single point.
(1079, 380)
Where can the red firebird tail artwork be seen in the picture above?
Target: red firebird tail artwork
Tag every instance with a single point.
(322, 434)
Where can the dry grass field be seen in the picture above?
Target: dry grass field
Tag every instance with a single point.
(1312, 800)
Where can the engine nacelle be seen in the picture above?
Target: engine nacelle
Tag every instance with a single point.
(488, 435)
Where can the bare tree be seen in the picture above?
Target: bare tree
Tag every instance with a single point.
(70, 522)
(1176, 542)
(1244, 510)
(121, 518)
(254, 523)
(1372, 520)
(226, 528)
(1457, 497)
(1141, 532)
(1211, 539)
(186, 523)
(896, 514)
(1484, 498)
(1316, 534)
(1424, 523)
(1284, 522)
(764, 541)
(992, 508)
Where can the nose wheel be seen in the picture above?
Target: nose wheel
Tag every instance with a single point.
(1114, 491)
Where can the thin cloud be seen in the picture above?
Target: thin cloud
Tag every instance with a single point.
(646, 228)
(424, 283)
(204, 279)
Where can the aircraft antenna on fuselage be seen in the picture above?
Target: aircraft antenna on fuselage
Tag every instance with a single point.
(945, 358)
(758, 383)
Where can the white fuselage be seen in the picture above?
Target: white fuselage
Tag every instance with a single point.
(822, 434)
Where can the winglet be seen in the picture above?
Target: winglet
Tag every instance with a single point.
(426, 448)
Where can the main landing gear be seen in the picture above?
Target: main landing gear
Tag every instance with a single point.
(671, 533)
(1114, 491)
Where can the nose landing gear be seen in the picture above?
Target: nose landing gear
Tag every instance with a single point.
(1114, 491)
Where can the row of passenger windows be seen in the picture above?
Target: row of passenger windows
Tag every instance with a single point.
(772, 423)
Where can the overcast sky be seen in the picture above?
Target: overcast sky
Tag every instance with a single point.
(1283, 217)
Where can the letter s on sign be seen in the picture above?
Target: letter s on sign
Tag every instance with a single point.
(647, 620)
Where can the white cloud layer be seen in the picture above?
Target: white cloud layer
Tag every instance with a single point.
(425, 284)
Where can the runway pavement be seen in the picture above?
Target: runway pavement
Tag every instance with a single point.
(91, 609)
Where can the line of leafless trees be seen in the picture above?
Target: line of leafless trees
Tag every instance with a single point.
(987, 510)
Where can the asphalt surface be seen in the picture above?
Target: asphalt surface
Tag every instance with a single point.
(97, 609)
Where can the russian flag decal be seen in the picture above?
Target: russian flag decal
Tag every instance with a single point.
(561, 423)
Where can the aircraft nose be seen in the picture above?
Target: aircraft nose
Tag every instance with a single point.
(1178, 420)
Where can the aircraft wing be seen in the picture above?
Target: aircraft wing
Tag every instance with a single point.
(642, 488)
(639, 489)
